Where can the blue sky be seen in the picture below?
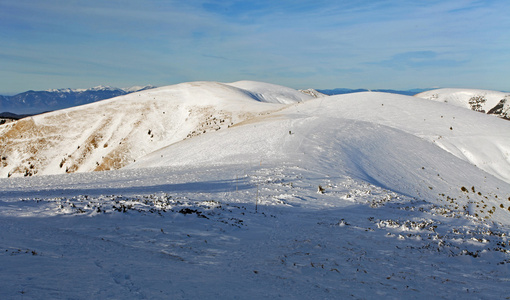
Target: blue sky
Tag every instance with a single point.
(300, 44)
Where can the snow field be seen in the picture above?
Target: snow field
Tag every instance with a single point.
(367, 195)
(264, 233)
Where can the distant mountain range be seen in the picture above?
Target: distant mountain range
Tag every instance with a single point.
(35, 102)
(340, 91)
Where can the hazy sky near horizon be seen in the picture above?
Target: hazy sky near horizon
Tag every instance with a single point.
(299, 43)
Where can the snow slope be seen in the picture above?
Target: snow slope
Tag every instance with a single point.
(270, 93)
(478, 139)
(490, 102)
(367, 195)
(112, 133)
(383, 139)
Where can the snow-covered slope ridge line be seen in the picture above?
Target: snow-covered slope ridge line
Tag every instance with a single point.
(112, 133)
(270, 93)
(396, 142)
(485, 101)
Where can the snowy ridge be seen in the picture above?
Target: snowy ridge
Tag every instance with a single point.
(380, 138)
(138, 88)
(486, 101)
(270, 93)
(113, 133)
(484, 145)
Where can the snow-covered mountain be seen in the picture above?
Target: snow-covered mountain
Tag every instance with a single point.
(112, 133)
(485, 101)
(275, 192)
(33, 102)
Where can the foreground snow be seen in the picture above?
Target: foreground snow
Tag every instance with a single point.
(201, 233)
(367, 196)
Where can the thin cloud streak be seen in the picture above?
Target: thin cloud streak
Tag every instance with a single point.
(228, 40)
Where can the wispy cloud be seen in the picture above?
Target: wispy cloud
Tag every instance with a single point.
(301, 42)
(417, 60)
